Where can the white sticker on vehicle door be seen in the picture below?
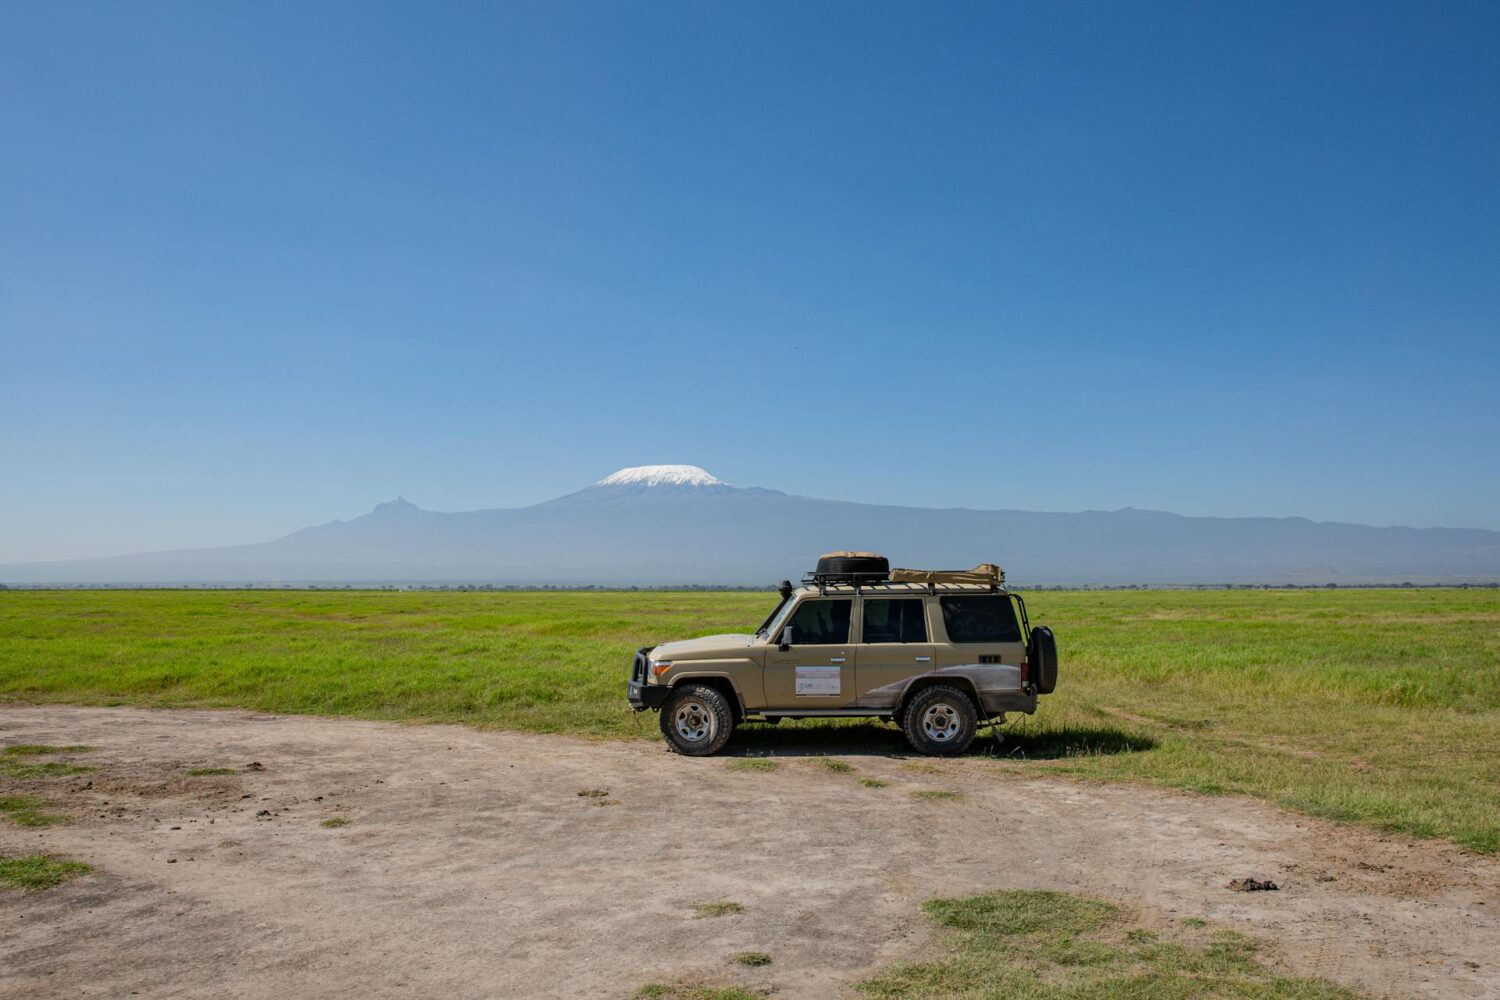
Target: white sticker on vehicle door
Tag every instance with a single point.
(818, 681)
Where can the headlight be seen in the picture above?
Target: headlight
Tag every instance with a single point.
(659, 667)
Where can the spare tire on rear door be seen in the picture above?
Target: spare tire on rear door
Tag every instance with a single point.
(1041, 653)
(847, 567)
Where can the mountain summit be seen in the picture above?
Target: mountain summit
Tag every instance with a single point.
(680, 524)
(658, 475)
(658, 485)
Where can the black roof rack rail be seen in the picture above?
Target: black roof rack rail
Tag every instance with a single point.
(859, 582)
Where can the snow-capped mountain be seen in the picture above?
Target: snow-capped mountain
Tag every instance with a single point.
(662, 475)
(654, 484)
(680, 524)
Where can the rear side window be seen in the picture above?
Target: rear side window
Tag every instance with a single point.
(980, 618)
(821, 623)
(894, 621)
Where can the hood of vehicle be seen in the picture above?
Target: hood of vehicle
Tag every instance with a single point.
(702, 647)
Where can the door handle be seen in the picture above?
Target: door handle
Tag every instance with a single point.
(835, 659)
(924, 659)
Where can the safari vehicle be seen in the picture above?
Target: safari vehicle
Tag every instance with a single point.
(940, 652)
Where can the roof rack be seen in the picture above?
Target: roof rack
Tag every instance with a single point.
(860, 582)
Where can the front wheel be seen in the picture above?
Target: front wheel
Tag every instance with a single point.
(696, 720)
(940, 721)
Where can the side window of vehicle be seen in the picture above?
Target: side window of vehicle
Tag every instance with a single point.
(894, 621)
(980, 618)
(821, 623)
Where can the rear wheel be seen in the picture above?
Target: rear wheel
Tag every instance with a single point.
(940, 721)
(697, 720)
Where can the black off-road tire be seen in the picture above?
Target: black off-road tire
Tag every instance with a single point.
(935, 711)
(1042, 655)
(833, 568)
(696, 708)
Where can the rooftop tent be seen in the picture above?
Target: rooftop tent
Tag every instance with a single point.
(986, 574)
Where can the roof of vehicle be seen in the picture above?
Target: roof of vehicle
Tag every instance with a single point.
(888, 588)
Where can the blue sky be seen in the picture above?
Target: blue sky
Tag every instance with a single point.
(263, 265)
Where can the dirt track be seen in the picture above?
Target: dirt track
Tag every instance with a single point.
(471, 866)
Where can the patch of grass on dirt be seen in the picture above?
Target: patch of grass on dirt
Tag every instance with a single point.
(12, 767)
(872, 782)
(37, 871)
(751, 764)
(921, 768)
(334, 821)
(13, 762)
(723, 909)
(936, 794)
(41, 749)
(1053, 946)
(695, 991)
(1194, 922)
(754, 959)
(204, 772)
(593, 793)
(1307, 698)
(833, 764)
(27, 810)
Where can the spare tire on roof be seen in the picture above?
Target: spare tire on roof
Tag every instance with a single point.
(846, 567)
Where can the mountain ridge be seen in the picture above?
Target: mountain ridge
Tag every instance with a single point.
(660, 525)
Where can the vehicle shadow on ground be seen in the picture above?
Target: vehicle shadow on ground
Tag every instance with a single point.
(875, 739)
(1071, 741)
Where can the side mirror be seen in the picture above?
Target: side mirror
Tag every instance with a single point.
(786, 638)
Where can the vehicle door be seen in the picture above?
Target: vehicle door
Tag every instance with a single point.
(979, 628)
(893, 647)
(817, 670)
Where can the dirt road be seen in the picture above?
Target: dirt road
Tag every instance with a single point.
(472, 867)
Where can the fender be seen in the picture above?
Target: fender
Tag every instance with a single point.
(998, 686)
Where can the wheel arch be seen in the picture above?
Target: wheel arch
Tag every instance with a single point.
(721, 683)
(957, 681)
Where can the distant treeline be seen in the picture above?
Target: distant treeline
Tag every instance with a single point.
(724, 588)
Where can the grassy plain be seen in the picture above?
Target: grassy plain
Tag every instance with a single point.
(1379, 707)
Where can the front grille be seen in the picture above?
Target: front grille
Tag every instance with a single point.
(638, 669)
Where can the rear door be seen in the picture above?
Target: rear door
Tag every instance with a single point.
(817, 672)
(894, 646)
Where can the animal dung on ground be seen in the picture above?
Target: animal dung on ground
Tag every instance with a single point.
(1252, 885)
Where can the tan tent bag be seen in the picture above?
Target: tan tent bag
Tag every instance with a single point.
(987, 574)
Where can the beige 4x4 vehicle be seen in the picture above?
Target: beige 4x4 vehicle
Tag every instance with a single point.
(938, 652)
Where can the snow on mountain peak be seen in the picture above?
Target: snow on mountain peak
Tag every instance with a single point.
(662, 475)
(396, 506)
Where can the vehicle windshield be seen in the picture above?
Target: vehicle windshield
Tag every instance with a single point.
(772, 625)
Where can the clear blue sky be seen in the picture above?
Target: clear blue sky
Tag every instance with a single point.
(264, 264)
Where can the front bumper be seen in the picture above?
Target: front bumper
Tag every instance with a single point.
(644, 696)
(640, 694)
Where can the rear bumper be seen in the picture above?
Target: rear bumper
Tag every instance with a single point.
(996, 702)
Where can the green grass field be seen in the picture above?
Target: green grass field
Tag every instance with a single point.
(1378, 707)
